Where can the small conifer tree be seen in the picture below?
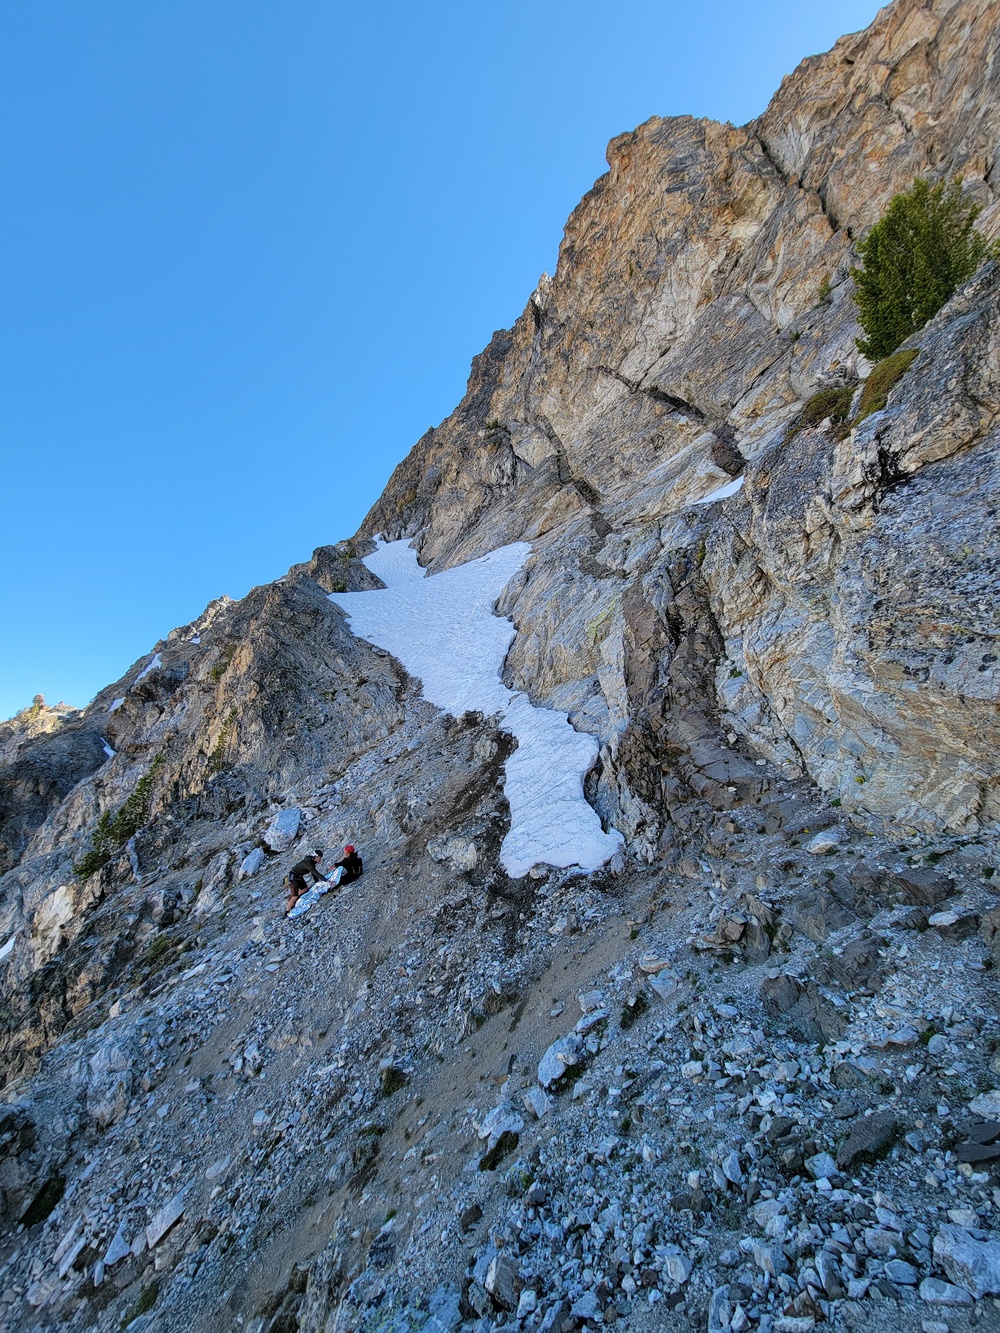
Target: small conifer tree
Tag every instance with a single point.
(914, 258)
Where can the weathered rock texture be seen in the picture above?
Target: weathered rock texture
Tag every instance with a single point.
(687, 320)
(214, 1119)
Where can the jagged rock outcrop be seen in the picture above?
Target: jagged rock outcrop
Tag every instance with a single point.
(740, 1074)
(702, 293)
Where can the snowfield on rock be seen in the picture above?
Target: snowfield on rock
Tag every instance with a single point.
(443, 629)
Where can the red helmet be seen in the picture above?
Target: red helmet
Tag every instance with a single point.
(349, 849)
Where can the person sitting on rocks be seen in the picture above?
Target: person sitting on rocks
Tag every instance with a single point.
(351, 866)
(296, 878)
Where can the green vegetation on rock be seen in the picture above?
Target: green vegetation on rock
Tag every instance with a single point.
(113, 831)
(833, 404)
(883, 379)
(222, 665)
(913, 260)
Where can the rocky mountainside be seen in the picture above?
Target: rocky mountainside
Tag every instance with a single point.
(744, 1075)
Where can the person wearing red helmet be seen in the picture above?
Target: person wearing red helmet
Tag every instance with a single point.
(351, 865)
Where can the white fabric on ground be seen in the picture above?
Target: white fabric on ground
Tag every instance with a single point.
(314, 894)
(443, 629)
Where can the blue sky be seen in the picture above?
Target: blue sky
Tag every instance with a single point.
(248, 250)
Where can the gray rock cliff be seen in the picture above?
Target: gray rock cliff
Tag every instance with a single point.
(741, 1077)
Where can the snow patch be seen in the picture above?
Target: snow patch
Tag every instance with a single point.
(730, 488)
(195, 638)
(107, 748)
(116, 704)
(151, 665)
(8, 948)
(444, 631)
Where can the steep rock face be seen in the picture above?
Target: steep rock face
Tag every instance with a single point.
(47, 751)
(702, 293)
(855, 586)
(216, 1118)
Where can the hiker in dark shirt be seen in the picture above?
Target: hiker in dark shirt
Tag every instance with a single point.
(297, 886)
(351, 866)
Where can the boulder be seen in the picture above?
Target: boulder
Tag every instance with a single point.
(870, 1138)
(503, 1281)
(283, 829)
(970, 1263)
(459, 853)
(560, 1056)
(802, 1007)
(921, 886)
(251, 863)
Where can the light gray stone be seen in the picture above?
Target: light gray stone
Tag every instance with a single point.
(936, 1292)
(119, 1247)
(902, 1273)
(973, 1264)
(503, 1281)
(720, 1310)
(731, 1168)
(821, 1166)
(461, 854)
(561, 1055)
(537, 1102)
(677, 1267)
(283, 829)
(251, 863)
(826, 841)
(987, 1104)
(769, 1259)
(168, 1216)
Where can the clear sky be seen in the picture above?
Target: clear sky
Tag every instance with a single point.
(248, 249)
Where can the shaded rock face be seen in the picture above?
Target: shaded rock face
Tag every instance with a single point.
(33, 784)
(243, 1121)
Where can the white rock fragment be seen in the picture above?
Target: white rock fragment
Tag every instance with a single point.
(67, 1241)
(503, 1119)
(590, 1000)
(251, 863)
(763, 1212)
(217, 1168)
(561, 1055)
(283, 829)
(826, 841)
(731, 1168)
(666, 984)
(720, 1311)
(537, 1102)
(460, 853)
(677, 1266)
(653, 962)
(119, 1247)
(503, 1281)
(168, 1216)
(69, 1258)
